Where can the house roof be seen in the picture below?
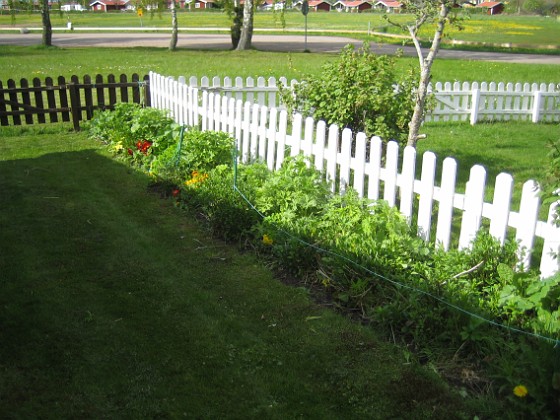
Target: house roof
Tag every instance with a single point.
(389, 3)
(489, 4)
(355, 3)
(109, 2)
(313, 3)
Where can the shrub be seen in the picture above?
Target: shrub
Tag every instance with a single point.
(360, 91)
(551, 187)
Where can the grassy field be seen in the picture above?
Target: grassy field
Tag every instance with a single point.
(114, 304)
(30, 62)
(526, 30)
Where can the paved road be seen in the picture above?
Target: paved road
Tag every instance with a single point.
(264, 42)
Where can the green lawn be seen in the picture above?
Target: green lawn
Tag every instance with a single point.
(30, 62)
(115, 304)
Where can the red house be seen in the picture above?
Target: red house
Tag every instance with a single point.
(493, 7)
(203, 4)
(108, 5)
(354, 5)
(319, 5)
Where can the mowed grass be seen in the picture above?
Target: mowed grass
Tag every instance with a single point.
(114, 304)
(31, 62)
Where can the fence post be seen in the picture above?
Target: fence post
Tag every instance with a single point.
(475, 101)
(537, 101)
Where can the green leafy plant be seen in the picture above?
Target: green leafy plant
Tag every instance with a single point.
(194, 153)
(361, 91)
(530, 301)
(551, 187)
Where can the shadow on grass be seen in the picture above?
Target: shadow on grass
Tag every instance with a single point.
(114, 304)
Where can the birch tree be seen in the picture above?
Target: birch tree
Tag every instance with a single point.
(174, 26)
(247, 26)
(436, 12)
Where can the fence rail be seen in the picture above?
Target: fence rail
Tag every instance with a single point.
(65, 101)
(372, 170)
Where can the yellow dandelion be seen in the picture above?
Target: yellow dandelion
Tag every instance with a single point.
(267, 240)
(520, 391)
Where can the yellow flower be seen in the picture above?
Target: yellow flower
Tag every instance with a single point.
(520, 391)
(267, 240)
(197, 178)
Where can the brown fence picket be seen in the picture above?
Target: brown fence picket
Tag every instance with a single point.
(136, 89)
(12, 93)
(63, 98)
(146, 83)
(26, 99)
(124, 89)
(100, 92)
(51, 99)
(88, 97)
(112, 91)
(39, 105)
(3, 110)
(75, 102)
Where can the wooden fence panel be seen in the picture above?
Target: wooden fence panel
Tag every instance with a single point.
(36, 102)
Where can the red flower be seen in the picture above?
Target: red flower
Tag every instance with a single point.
(143, 146)
(130, 152)
(175, 192)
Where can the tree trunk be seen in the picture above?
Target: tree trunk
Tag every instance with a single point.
(236, 24)
(46, 20)
(247, 28)
(425, 75)
(174, 27)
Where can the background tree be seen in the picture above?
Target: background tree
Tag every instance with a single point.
(246, 36)
(46, 21)
(424, 11)
(174, 26)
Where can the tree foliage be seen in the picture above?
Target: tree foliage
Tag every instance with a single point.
(361, 91)
(542, 7)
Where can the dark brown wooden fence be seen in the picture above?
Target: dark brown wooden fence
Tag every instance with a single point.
(65, 101)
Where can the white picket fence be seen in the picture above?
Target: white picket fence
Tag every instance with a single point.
(495, 102)
(474, 102)
(262, 134)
